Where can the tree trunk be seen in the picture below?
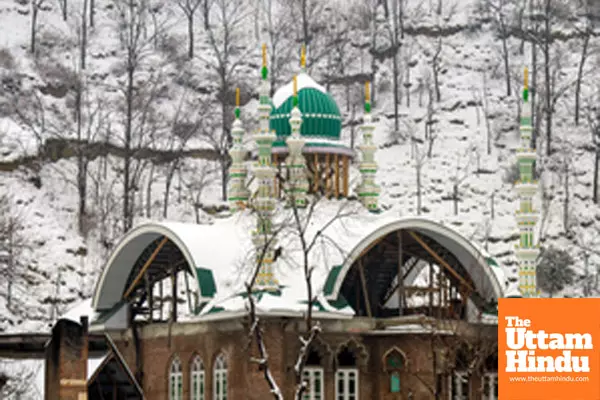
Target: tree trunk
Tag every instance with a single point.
(149, 192)
(305, 25)
(586, 41)
(34, 15)
(455, 197)
(505, 54)
(168, 181)
(396, 89)
(566, 203)
(547, 80)
(92, 11)
(595, 183)
(64, 9)
(418, 186)
(127, 220)
(83, 34)
(190, 18)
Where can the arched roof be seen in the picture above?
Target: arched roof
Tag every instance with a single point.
(188, 238)
(474, 261)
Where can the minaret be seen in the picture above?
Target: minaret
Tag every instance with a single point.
(368, 191)
(238, 193)
(264, 202)
(527, 217)
(297, 186)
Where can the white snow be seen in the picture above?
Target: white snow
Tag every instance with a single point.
(303, 81)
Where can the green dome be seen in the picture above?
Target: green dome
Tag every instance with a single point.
(320, 114)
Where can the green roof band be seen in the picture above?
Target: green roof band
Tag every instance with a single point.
(206, 282)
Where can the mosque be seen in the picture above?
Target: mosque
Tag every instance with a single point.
(406, 308)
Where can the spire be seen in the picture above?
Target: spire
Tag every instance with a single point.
(238, 193)
(297, 187)
(264, 202)
(303, 58)
(527, 216)
(368, 191)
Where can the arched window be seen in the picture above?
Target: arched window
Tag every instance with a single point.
(220, 378)
(489, 380)
(346, 376)
(394, 362)
(313, 376)
(197, 379)
(460, 384)
(175, 380)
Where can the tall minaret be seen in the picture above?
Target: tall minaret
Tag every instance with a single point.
(297, 187)
(368, 191)
(527, 216)
(264, 201)
(238, 193)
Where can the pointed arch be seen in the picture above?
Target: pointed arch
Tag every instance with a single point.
(391, 353)
(220, 378)
(197, 379)
(175, 379)
(357, 349)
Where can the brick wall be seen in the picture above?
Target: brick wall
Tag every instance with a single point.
(245, 381)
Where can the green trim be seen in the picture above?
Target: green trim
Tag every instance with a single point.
(339, 303)
(491, 262)
(368, 194)
(525, 95)
(206, 282)
(237, 113)
(215, 310)
(264, 71)
(331, 279)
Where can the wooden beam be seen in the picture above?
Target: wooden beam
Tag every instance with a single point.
(363, 282)
(162, 300)
(441, 261)
(431, 287)
(145, 267)
(345, 170)
(174, 294)
(316, 173)
(275, 178)
(337, 175)
(187, 290)
(149, 290)
(327, 175)
(401, 295)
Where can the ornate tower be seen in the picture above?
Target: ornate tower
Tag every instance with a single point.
(527, 216)
(264, 201)
(297, 187)
(238, 193)
(368, 191)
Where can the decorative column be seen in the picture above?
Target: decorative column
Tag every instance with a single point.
(238, 192)
(264, 201)
(527, 217)
(368, 191)
(297, 187)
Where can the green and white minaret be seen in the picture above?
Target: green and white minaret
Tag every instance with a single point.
(527, 216)
(238, 192)
(297, 185)
(368, 191)
(264, 200)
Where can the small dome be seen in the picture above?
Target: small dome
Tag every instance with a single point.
(320, 114)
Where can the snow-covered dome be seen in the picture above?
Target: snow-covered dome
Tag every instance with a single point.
(320, 114)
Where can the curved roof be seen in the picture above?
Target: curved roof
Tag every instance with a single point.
(320, 114)
(194, 241)
(484, 278)
(219, 255)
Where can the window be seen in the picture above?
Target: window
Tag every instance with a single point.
(175, 380)
(314, 378)
(460, 386)
(346, 385)
(394, 362)
(197, 379)
(220, 378)
(346, 376)
(489, 386)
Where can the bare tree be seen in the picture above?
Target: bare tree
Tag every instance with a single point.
(431, 132)
(12, 245)
(420, 159)
(189, 7)
(460, 176)
(296, 227)
(593, 117)
(197, 183)
(587, 33)
(280, 53)
(501, 17)
(36, 6)
(224, 25)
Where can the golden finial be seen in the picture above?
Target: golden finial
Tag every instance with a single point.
(526, 79)
(367, 91)
(237, 97)
(295, 85)
(303, 56)
(264, 54)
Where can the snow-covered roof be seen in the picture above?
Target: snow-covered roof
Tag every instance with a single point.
(285, 92)
(226, 249)
(83, 308)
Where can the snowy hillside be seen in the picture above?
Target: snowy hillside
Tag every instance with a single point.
(177, 107)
